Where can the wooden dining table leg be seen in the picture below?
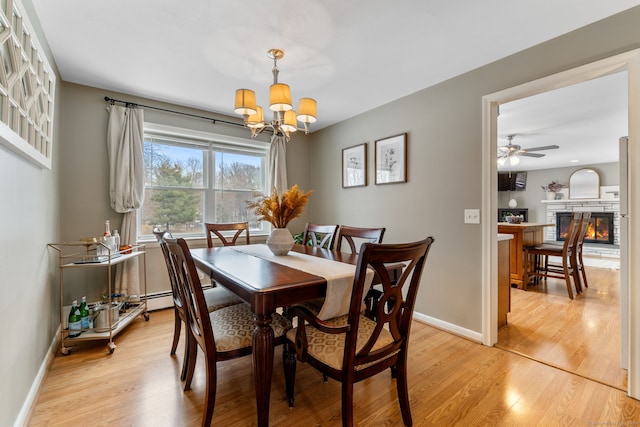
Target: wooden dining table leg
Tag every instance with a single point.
(263, 365)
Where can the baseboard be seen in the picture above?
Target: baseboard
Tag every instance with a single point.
(27, 406)
(155, 301)
(448, 327)
(159, 300)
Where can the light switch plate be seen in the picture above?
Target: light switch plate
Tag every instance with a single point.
(472, 216)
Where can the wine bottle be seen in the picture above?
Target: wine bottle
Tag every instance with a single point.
(75, 320)
(109, 240)
(85, 318)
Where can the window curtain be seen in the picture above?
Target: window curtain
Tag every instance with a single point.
(125, 138)
(278, 163)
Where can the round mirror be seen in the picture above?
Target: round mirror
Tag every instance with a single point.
(584, 184)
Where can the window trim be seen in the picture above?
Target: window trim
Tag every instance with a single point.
(185, 136)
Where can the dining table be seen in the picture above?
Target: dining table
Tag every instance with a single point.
(267, 284)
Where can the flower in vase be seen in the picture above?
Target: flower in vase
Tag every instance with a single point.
(278, 209)
(553, 187)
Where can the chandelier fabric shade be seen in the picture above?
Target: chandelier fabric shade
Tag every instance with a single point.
(307, 110)
(280, 97)
(289, 124)
(245, 102)
(285, 119)
(256, 121)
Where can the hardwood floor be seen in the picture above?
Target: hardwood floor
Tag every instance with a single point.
(452, 381)
(580, 335)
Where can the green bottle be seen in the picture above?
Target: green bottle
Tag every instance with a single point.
(84, 314)
(75, 320)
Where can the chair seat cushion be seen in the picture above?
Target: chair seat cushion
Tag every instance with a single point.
(218, 297)
(329, 348)
(546, 248)
(233, 326)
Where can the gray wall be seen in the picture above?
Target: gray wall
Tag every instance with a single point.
(444, 127)
(29, 219)
(85, 201)
(443, 124)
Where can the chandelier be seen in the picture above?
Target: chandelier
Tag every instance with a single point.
(284, 117)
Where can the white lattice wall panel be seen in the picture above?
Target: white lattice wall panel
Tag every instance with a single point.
(27, 86)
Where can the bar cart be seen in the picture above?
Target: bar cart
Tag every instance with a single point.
(119, 312)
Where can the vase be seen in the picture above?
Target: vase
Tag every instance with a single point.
(551, 195)
(280, 241)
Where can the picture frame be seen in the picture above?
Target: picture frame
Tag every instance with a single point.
(354, 166)
(391, 159)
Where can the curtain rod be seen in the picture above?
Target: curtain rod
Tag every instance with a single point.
(134, 104)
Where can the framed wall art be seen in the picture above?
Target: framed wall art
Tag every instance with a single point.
(391, 159)
(354, 166)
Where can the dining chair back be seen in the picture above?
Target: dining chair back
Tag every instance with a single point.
(217, 229)
(535, 268)
(319, 235)
(222, 334)
(354, 347)
(215, 298)
(355, 236)
(578, 264)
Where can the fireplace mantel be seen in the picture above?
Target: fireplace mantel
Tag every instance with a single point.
(579, 200)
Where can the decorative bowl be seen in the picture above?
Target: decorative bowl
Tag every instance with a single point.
(515, 219)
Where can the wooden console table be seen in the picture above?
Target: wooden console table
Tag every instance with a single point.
(525, 234)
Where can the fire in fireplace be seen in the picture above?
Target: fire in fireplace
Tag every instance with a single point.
(600, 229)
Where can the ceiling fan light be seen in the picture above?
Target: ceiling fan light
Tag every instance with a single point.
(501, 161)
(307, 110)
(280, 97)
(245, 102)
(514, 160)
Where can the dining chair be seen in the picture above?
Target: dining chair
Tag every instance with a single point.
(355, 235)
(578, 262)
(576, 254)
(217, 229)
(534, 267)
(223, 334)
(319, 235)
(215, 298)
(353, 347)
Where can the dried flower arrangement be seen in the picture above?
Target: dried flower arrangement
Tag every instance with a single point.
(553, 186)
(279, 210)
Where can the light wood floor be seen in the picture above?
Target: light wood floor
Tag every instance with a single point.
(580, 335)
(452, 381)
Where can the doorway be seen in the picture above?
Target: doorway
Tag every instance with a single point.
(572, 134)
(629, 61)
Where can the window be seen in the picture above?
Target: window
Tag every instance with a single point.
(193, 177)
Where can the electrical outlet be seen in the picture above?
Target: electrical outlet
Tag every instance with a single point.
(472, 216)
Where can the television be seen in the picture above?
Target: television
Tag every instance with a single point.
(512, 181)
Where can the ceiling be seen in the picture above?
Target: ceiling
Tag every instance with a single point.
(350, 58)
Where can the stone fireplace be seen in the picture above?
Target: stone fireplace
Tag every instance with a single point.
(606, 210)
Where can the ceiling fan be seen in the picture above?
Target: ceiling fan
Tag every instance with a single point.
(513, 152)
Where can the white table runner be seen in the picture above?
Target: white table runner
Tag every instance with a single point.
(339, 276)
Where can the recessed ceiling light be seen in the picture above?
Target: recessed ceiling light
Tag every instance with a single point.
(575, 161)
